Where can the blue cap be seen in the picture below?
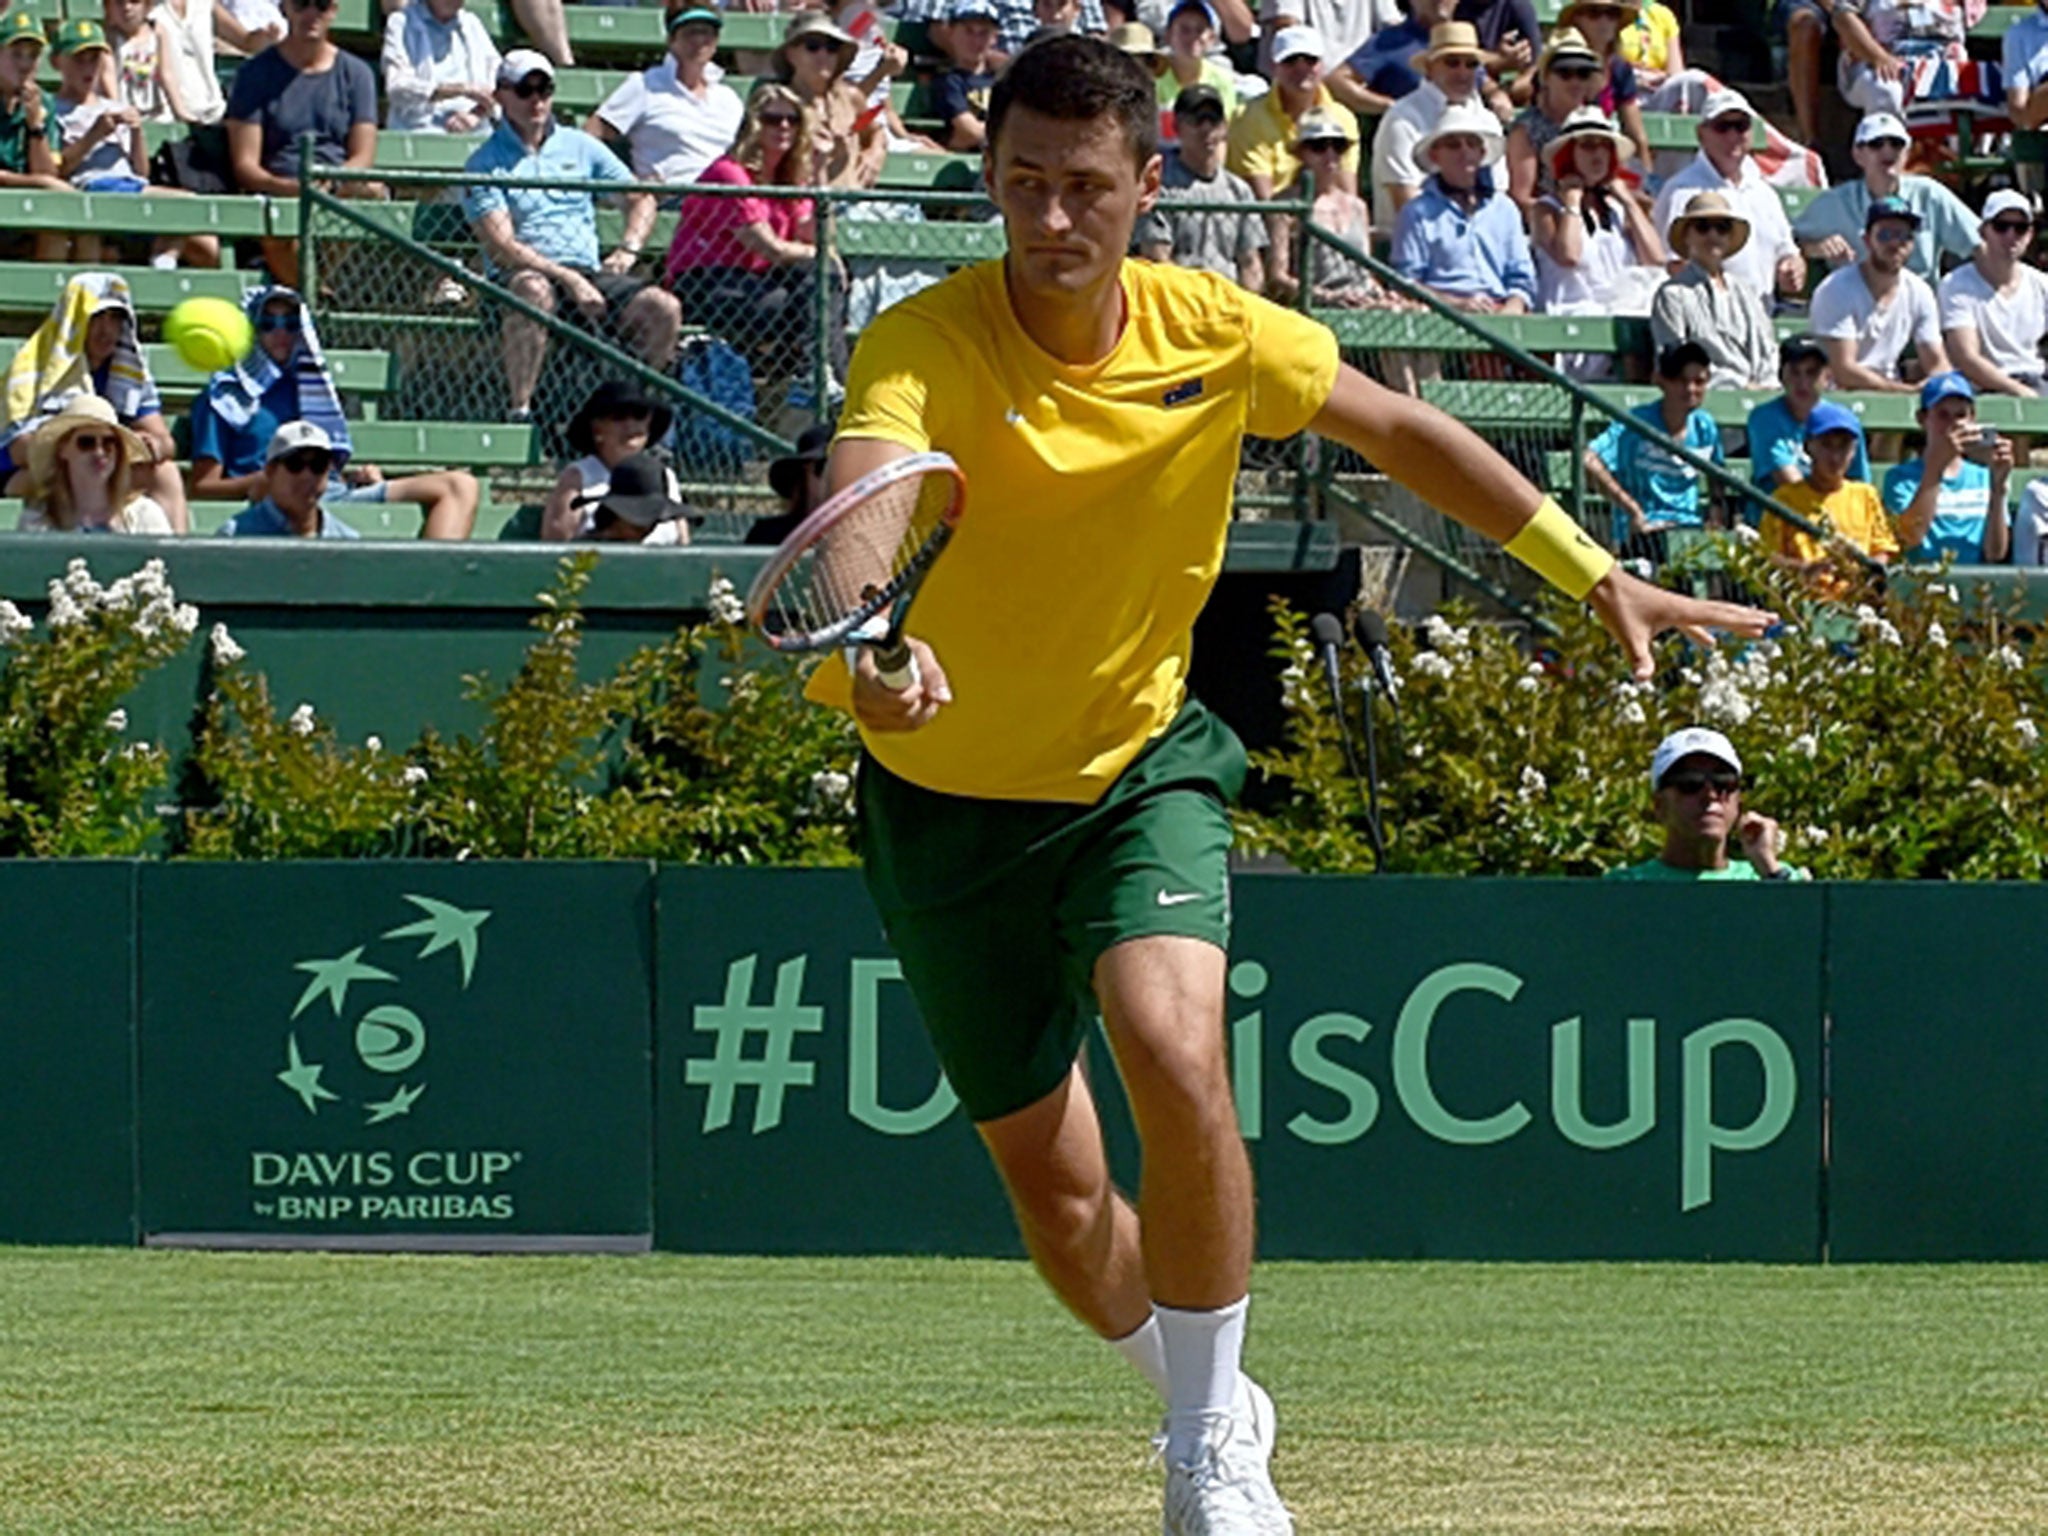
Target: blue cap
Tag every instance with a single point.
(1890, 208)
(1208, 11)
(1945, 386)
(1830, 417)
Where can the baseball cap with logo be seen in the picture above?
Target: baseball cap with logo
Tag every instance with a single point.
(1945, 386)
(79, 35)
(1200, 100)
(294, 435)
(1830, 417)
(1297, 42)
(21, 26)
(1725, 103)
(1878, 126)
(1692, 740)
(1890, 208)
(521, 63)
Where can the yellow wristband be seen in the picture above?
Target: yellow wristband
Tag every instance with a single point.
(1560, 551)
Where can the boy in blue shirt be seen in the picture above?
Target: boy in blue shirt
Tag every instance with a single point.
(1652, 490)
(1777, 428)
(1952, 500)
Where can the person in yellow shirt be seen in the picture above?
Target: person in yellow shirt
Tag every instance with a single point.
(1850, 510)
(1044, 809)
(1262, 136)
(1650, 40)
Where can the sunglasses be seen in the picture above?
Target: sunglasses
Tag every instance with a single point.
(1574, 71)
(290, 322)
(313, 5)
(93, 442)
(1892, 236)
(1730, 125)
(780, 119)
(1721, 782)
(1459, 61)
(1325, 146)
(2012, 226)
(307, 460)
(820, 45)
(532, 86)
(1714, 226)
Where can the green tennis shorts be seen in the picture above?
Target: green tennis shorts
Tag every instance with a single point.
(999, 909)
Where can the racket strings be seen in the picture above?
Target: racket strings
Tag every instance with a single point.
(858, 566)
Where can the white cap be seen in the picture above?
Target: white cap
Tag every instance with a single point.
(1881, 125)
(294, 435)
(1685, 743)
(521, 62)
(1720, 103)
(2004, 200)
(1290, 42)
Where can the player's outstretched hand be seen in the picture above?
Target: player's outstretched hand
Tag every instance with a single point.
(882, 708)
(1636, 612)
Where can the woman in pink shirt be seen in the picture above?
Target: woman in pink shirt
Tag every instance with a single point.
(745, 266)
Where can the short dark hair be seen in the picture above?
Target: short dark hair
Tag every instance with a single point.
(1074, 78)
(1679, 356)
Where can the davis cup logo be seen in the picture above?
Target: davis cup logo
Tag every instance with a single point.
(380, 1058)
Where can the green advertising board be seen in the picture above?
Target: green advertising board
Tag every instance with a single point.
(1939, 1072)
(1499, 1069)
(798, 1108)
(1529, 1069)
(416, 1055)
(67, 1046)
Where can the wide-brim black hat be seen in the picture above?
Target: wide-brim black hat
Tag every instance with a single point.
(813, 444)
(614, 398)
(638, 493)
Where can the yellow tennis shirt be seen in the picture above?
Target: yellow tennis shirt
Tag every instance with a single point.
(1098, 504)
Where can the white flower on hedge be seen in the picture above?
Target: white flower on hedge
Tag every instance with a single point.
(1937, 589)
(1723, 704)
(156, 615)
(1866, 616)
(412, 774)
(1293, 683)
(1527, 684)
(1631, 713)
(301, 721)
(1887, 632)
(1533, 786)
(1806, 744)
(119, 596)
(2006, 656)
(725, 604)
(117, 721)
(373, 743)
(1937, 636)
(1447, 638)
(2028, 732)
(185, 620)
(65, 612)
(14, 624)
(225, 652)
(1814, 835)
(832, 789)
(1744, 534)
(1430, 664)
(78, 581)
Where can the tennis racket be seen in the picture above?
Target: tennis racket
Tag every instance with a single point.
(847, 573)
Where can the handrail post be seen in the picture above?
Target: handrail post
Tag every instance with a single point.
(309, 261)
(821, 309)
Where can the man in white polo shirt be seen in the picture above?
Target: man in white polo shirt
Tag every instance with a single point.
(1771, 261)
(1866, 316)
(677, 117)
(1994, 307)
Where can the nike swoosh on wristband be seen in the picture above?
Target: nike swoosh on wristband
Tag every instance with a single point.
(1176, 898)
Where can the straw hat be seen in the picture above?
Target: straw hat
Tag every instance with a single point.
(1566, 43)
(1463, 117)
(81, 411)
(1136, 39)
(1630, 10)
(807, 24)
(1451, 40)
(1708, 205)
(1583, 124)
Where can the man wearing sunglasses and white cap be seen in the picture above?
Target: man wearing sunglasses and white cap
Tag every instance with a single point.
(1696, 796)
(1770, 260)
(1263, 135)
(542, 244)
(1830, 228)
(1994, 307)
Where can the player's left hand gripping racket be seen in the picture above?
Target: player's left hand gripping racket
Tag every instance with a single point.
(847, 574)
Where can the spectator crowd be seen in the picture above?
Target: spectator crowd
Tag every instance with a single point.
(1497, 165)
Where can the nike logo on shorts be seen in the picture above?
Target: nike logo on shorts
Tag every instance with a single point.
(1176, 898)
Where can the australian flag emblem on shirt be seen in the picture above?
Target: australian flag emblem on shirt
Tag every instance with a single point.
(1181, 394)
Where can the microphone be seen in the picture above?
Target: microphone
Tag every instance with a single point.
(1371, 628)
(1328, 635)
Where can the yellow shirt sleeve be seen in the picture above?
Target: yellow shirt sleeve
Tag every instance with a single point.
(1255, 150)
(1874, 526)
(891, 386)
(1293, 368)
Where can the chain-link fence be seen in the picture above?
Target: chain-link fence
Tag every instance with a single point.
(748, 352)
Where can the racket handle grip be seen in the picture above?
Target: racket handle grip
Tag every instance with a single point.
(896, 667)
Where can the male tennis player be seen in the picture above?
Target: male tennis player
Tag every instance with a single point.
(1044, 809)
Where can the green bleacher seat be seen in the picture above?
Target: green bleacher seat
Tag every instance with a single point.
(29, 287)
(473, 445)
(1491, 403)
(230, 217)
(356, 372)
(942, 240)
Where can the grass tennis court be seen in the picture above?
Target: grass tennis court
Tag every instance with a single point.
(313, 1393)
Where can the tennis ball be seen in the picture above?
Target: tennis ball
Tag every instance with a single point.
(210, 334)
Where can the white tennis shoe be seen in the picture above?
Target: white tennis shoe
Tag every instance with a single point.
(1226, 1489)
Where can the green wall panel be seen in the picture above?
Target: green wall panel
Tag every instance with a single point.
(396, 1054)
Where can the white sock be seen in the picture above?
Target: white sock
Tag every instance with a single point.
(164, 261)
(1142, 1347)
(1203, 1350)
